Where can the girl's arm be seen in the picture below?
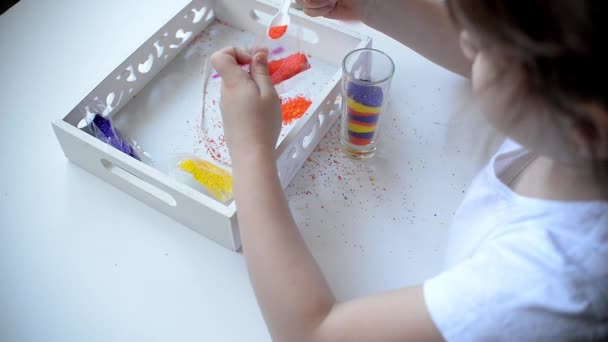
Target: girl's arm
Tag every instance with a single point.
(423, 25)
(295, 299)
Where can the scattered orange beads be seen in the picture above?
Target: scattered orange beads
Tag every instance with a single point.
(294, 108)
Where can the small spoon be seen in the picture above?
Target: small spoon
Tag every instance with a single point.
(279, 23)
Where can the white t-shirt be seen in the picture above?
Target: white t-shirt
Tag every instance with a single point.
(521, 268)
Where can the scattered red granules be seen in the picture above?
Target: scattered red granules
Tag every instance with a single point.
(286, 68)
(277, 32)
(294, 108)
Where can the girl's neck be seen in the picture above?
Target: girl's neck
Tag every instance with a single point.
(547, 179)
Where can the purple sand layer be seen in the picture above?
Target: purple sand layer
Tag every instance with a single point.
(372, 119)
(369, 135)
(367, 95)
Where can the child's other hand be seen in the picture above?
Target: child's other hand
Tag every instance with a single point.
(251, 108)
(336, 9)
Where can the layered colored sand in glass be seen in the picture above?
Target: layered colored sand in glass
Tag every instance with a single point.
(364, 104)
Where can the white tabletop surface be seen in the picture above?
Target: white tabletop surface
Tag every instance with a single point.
(83, 261)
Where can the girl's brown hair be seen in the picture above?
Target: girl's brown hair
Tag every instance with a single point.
(558, 47)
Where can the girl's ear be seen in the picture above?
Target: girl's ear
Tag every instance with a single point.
(468, 46)
(591, 135)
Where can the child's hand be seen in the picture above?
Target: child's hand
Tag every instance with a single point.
(336, 9)
(251, 108)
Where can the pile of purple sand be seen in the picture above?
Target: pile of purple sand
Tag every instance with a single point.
(103, 130)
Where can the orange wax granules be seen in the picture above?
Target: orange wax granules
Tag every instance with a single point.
(277, 32)
(294, 108)
(286, 68)
(215, 179)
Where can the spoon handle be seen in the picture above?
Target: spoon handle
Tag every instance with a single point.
(285, 6)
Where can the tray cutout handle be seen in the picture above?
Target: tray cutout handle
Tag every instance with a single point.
(138, 182)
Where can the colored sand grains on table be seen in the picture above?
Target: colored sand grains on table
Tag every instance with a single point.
(364, 104)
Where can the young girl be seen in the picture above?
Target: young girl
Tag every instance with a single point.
(528, 256)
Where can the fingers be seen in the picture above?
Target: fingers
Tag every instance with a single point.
(260, 75)
(227, 62)
(315, 3)
(319, 12)
(317, 8)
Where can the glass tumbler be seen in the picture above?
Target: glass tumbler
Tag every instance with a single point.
(367, 76)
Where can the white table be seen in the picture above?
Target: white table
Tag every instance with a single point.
(67, 275)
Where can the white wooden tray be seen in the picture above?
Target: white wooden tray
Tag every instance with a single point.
(156, 98)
